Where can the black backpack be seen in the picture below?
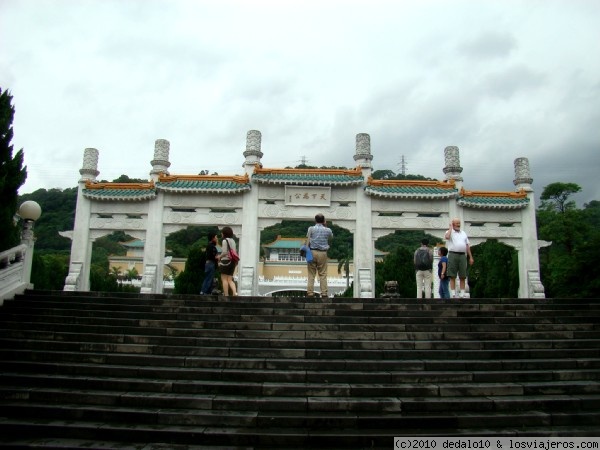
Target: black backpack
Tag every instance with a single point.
(423, 259)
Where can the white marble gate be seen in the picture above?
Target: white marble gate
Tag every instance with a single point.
(261, 197)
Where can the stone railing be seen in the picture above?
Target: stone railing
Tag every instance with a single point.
(13, 279)
(280, 280)
(168, 285)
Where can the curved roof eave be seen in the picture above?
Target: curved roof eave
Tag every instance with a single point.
(122, 196)
(309, 177)
(480, 203)
(493, 200)
(203, 190)
(411, 195)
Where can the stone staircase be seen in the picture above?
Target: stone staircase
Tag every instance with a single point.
(89, 370)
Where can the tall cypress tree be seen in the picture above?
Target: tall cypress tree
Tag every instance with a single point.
(12, 174)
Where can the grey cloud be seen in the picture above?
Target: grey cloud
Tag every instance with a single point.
(488, 45)
(514, 79)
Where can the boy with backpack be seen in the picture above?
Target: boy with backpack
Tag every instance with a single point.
(423, 259)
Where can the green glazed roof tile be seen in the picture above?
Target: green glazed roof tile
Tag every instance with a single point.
(203, 183)
(493, 202)
(340, 177)
(120, 194)
(411, 191)
(202, 186)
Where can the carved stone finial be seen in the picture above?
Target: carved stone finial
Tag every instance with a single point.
(363, 150)
(452, 168)
(253, 152)
(89, 170)
(160, 163)
(522, 174)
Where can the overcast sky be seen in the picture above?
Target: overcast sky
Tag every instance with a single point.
(500, 79)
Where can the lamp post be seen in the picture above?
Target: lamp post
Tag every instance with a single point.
(29, 211)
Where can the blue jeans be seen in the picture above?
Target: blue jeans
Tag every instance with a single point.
(444, 287)
(209, 275)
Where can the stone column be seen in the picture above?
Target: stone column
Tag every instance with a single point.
(154, 244)
(249, 239)
(160, 163)
(253, 152)
(81, 245)
(530, 285)
(453, 171)
(364, 258)
(363, 155)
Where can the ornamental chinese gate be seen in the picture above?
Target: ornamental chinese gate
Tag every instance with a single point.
(262, 197)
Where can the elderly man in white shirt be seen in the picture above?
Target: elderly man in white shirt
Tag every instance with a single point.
(458, 250)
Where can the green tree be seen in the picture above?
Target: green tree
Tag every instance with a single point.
(180, 243)
(397, 266)
(190, 280)
(383, 175)
(495, 273)
(49, 271)
(12, 174)
(555, 196)
(126, 179)
(568, 266)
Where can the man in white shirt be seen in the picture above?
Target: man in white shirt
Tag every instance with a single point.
(458, 250)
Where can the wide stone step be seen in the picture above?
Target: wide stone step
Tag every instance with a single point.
(308, 436)
(335, 349)
(195, 336)
(198, 329)
(257, 372)
(122, 354)
(318, 412)
(52, 362)
(100, 298)
(307, 310)
(318, 384)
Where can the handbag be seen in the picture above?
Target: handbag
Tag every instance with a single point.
(232, 255)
